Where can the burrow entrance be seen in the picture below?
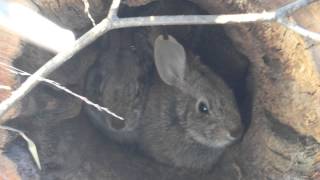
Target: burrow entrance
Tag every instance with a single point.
(210, 42)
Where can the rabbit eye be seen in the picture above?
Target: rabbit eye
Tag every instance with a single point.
(202, 107)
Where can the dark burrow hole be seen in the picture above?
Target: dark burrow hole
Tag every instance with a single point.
(210, 42)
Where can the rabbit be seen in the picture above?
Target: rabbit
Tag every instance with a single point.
(176, 110)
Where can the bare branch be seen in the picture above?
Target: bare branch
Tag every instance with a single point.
(40, 31)
(292, 7)
(54, 63)
(300, 30)
(113, 11)
(113, 22)
(193, 19)
(4, 87)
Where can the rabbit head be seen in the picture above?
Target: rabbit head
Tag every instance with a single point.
(191, 116)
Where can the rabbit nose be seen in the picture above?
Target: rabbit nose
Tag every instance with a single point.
(236, 133)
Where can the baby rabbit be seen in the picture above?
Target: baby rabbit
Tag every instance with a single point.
(184, 115)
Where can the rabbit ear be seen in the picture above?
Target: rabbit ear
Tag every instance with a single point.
(170, 60)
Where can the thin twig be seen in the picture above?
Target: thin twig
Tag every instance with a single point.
(31, 145)
(87, 11)
(59, 86)
(112, 22)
